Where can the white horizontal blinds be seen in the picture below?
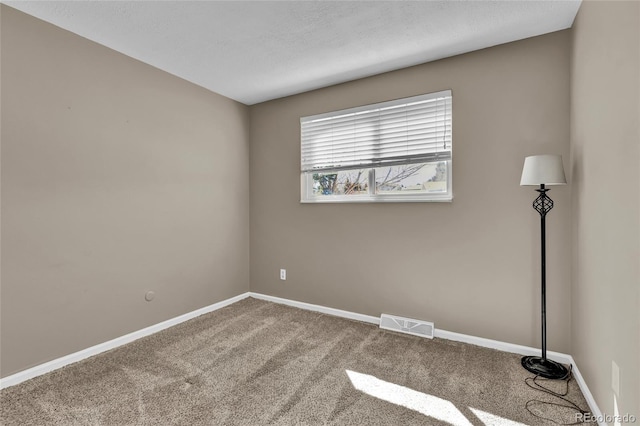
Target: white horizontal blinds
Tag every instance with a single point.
(412, 130)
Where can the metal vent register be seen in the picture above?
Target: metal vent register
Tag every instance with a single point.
(407, 325)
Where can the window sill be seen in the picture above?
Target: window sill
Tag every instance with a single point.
(387, 199)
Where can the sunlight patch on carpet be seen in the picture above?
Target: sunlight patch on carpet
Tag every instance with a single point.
(493, 420)
(429, 405)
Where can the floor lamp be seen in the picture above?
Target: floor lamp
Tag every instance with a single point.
(543, 170)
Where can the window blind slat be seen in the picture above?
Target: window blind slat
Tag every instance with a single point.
(416, 130)
(414, 144)
(399, 160)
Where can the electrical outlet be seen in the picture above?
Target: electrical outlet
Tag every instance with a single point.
(615, 378)
(283, 274)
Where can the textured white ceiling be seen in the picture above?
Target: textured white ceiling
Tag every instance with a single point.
(253, 51)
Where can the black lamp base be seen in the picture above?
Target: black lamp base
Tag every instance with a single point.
(544, 367)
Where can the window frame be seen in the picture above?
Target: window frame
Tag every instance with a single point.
(307, 181)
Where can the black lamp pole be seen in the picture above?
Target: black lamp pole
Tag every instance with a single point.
(542, 366)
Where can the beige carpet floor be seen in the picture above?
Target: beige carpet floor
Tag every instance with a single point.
(260, 363)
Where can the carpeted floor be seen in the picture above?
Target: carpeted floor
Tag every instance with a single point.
(259, 363)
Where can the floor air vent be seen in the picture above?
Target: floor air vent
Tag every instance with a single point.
(407, 325)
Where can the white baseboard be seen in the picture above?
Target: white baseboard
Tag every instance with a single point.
(501, 346)
(317, 308)
(111, 344)
(595, 410)
(442, 334)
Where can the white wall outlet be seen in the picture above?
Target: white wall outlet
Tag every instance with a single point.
(615, 378)
(283, 274)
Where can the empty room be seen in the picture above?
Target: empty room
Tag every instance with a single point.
(320, 212)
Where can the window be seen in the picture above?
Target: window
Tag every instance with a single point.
(392, 151)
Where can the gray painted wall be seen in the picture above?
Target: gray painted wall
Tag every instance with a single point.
(605, 145)
(117, 178)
